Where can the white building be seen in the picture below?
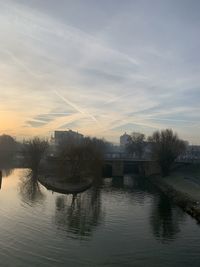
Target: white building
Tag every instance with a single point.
(124, 139)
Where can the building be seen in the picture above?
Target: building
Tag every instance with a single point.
(124, 139)
(192, 153)
(67, 136)
(63, 137)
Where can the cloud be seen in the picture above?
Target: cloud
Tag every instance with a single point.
(135, 68)
(35, 124)
(51, 116)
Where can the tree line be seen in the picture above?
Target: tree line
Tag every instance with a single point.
(165, 147)
(86, 156)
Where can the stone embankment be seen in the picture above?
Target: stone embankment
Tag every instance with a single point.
(64, 187)
(183, 192)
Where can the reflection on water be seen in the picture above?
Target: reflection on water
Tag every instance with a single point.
(6, 167)
(29, 189)
(166, 219)
(79, 214)
(0, 178)
(7, 172)
(124, 222)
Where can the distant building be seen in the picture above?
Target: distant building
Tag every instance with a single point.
(124, 139)
(63, 137)
(192, 152)
(67, 136)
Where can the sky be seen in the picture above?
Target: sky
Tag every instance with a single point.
(100, 67)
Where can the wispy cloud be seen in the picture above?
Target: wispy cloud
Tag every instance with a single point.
(113, 74)
(21, 64)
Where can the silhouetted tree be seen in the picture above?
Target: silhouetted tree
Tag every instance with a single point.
(136, 144)
(166, 147)
(33, 151)
(82, 159)
(7, 147)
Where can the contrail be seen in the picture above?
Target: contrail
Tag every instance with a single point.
(166, 119)
(114, 99)
(76, 107)
(20, 63)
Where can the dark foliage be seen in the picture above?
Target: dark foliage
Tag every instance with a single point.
(82, 159)
(166, 147)
(33, 151)
(136, 144)
(8, 147)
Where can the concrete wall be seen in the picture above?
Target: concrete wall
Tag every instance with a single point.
(149, 168)
(117, 168)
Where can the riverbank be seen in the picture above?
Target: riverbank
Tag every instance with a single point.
(64, 187)
(183, 187)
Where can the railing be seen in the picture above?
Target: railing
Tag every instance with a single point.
(123, 156)
(147, 157)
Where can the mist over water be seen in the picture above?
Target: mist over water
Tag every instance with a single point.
(124, 222)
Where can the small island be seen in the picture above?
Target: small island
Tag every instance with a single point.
(63, 187)
(69, 166)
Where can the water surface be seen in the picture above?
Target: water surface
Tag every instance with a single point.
(124, 222)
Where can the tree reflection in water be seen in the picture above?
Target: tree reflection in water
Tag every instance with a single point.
(0, 178)
(166, 219)
(79, 214)
(7, 172)
(29, 189)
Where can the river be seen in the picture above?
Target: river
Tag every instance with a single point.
(124, 222)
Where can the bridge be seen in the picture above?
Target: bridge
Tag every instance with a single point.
(145, 165)
(117, 162)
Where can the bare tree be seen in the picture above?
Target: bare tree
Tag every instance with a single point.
(166, 147)
(33, 151)
(82, 159)
(136, 144)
